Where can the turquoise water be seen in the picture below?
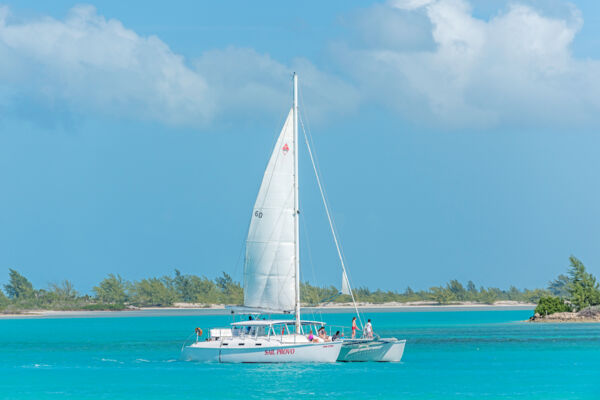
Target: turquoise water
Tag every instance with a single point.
(462, 354)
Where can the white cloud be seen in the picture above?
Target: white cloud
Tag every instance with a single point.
(87, 64)
(514, 69)
(94, 64)
(410, 4)
(246, 81)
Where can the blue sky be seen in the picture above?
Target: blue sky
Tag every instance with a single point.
(457, 140)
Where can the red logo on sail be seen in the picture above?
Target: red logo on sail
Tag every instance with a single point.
(285, 148)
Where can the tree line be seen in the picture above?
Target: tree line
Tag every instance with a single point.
(453, 292)
(115, 293)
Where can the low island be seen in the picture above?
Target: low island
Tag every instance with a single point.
(568, 298)
(576, 298)
(179, 291)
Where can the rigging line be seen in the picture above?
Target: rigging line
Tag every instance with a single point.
(318, 173)
(329, 218)
(315, 162)
(310, 260)
(237, 263)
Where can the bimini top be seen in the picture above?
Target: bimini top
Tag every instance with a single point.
(269, 322)
(243, 310)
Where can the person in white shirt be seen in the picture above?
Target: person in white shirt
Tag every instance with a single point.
(368, 331)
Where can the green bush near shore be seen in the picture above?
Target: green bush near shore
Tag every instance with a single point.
(550, 305)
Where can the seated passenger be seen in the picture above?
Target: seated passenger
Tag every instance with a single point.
(323, 335)
(336, 336)
(313, 338)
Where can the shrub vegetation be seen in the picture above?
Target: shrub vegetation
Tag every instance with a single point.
(579, 288)
(573, 292)
(550, 305)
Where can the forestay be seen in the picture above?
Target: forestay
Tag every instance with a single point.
(269, 269)
(345, 284)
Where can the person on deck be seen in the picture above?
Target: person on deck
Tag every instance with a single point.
(323, 335)
(249, 328)
(354, 327)
(336, 336)
(368, 331)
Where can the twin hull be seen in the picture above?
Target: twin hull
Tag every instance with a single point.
(309, 352)
(386, 350)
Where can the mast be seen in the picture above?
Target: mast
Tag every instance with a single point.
(296, 206)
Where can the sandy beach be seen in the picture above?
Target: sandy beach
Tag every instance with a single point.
(181, 309)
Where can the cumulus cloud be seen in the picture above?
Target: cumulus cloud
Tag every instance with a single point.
(514, 69)
(87, 64)
(410, 4)
(247, 81)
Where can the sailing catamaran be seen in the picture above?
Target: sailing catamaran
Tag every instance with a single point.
(272, 280)
(271, 273)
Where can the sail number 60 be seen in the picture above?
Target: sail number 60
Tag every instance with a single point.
(258, 214)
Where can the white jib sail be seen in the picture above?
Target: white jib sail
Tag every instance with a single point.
(269, 270)
(345, 284)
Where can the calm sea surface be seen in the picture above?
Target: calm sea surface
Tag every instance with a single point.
(450, 354)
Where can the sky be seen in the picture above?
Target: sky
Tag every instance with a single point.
(456, 139)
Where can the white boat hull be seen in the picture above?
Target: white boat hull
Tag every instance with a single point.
(382, 350)
(278, 353)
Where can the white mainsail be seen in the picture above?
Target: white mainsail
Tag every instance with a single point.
(269, 270)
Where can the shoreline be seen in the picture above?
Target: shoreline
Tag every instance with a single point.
(584, 316)
(190, 309)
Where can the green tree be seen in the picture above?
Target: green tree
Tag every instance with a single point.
(4, 302)
(64, 291)
(533, 296)
(362, 293)
(151, 292)
(315, 295)
(560, 286)
(232, 291)
(442, 295)
(457, 290)
(204, 290)
(472, 293)
(514, 294)
(18, 288)
(582, 287)
(488, 296)
(183, 287)
(550, 304)
(309, 294)
(111, 290)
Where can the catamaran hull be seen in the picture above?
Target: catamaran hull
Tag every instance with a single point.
(384, 350)
(321, 353)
